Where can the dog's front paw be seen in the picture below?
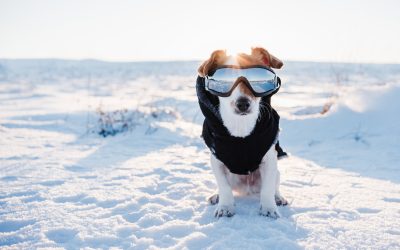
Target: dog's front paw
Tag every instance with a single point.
(269, 212)
(213, 199)
(224, 210)
(280, 201)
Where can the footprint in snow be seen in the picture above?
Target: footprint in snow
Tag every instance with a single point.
(9, 178)
(61, 235)
(18, 194)
(76, 168)
(366, 210)
(396, 200)
(73, 199)
(52, 183)
(35, 198)
(14, 225)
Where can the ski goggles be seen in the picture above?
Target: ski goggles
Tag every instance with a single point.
(261, 80)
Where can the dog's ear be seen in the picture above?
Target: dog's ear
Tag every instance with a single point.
(217, 58)
(266, 58)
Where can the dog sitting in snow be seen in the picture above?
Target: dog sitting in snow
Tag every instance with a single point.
(241, 128)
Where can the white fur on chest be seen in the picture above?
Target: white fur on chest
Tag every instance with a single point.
(238, 125)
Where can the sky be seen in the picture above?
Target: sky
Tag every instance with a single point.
(308, 30)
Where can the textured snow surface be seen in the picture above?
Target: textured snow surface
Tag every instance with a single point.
(62, 185)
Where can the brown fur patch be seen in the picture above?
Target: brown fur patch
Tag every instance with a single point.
(247, 60)
(216, 59)
(266, 58)
(243, 87)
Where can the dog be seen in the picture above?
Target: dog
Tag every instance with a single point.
(240, 112)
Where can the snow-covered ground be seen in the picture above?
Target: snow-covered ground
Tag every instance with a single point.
(64, 185)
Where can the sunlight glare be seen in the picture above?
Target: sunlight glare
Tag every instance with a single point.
(235, 50)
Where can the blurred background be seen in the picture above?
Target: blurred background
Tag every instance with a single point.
(311, 30)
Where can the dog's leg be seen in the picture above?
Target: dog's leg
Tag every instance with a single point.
(213, 199)
(279, 200)
(225, 196)
(268, 171)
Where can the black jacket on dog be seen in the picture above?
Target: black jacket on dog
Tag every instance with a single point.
(240, 155)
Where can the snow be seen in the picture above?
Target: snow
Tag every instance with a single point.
(63, 185)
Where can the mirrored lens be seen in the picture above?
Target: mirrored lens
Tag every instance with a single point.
(261, 80)
(220, 86)
(251, 74)
(262, 87)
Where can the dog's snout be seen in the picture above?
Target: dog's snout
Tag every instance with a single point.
(243, 104)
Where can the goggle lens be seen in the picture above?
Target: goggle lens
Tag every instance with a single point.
(261, 79)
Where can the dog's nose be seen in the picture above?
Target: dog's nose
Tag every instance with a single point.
(243, 104)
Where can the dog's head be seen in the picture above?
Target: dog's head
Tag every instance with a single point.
(241, 102)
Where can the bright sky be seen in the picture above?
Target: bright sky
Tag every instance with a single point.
(312, 30)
